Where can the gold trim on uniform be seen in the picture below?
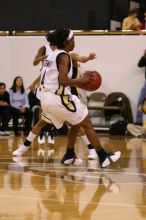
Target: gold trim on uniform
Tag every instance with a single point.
(44, 118)
(60, 90)
(68, 103)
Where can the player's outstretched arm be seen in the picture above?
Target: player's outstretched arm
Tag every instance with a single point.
(82, 59)
(35, 83)
(40, 56)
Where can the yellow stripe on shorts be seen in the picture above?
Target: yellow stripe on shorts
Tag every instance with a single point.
(68, 104)
(44, 118)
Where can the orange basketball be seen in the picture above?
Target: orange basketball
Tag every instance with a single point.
(94, 84)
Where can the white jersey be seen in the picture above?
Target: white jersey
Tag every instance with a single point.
(57, 102)
(50, 74)
(48, 51)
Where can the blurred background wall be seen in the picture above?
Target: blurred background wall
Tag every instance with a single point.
(52, 14)
(117, 58)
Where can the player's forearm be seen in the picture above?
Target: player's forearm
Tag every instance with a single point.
(37, 60)
(70, 82)
(82, 59)
(35, 83)
(37, 80)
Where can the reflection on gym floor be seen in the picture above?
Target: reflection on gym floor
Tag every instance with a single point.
(37, 187)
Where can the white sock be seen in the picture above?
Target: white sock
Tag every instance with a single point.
(31, 136)
(85, 139)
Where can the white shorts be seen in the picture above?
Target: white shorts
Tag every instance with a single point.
(59, 110)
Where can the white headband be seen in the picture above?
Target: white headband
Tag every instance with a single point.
(51, 31)
(70, 35)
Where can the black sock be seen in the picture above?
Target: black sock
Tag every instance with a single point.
(27, 143)
(70, 152)
(90, 146)
(101, 154)
(42, 133)
(52, 135)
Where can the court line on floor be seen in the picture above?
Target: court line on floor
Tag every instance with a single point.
(82, 202)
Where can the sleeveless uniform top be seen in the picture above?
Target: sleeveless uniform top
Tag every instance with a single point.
(50, 74)
(48, 50)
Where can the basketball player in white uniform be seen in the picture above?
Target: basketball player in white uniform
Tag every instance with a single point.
(59, 105)
(49, 129)
(42, 54)
(41, 57)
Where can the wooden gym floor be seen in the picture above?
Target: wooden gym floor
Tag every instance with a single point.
(37, 187)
